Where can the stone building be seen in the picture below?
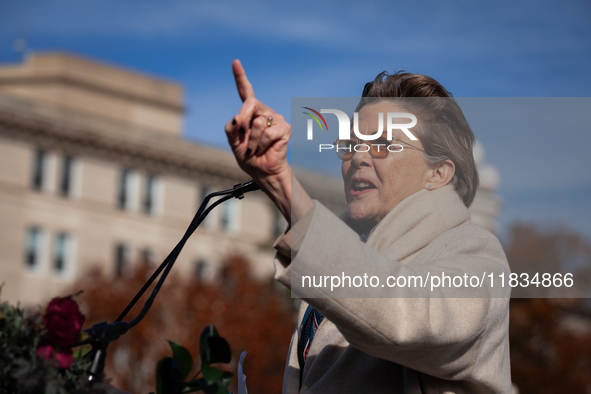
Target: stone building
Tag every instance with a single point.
(94, 171)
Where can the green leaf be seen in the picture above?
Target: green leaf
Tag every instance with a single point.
(168, 377)
(213, 348)
(162, 374)
(194, 385)
(81, 352)
(182, 357)
(219, 350)
(222, 390)
(206, 387)
(227, 378)
(204, 352)
(211, 374)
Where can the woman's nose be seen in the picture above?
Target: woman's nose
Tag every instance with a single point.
(361, 158)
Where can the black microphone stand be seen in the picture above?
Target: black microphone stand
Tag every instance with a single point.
(102, 334)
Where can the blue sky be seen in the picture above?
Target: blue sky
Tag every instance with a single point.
(331, 48)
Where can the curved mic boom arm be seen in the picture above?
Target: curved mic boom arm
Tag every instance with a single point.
(100, 335)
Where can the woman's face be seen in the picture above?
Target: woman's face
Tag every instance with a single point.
(374, 186)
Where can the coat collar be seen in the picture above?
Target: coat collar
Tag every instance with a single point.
(415, 222)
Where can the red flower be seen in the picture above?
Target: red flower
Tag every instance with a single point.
(63, 321)
(47, 352)
(63, 359)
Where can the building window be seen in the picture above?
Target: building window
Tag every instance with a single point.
(124, 189)
(63, 250)
(128, 194)
(34, 245)
(230, 216)
(121, 260)
(67, 176)
(200, 269)
(39, 169)
(148, 257)
(202, 193)
(209, 220)
(151, 195)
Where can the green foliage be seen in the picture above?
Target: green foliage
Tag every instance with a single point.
(213, 348)
(183, 358)
(22, 372)
(19, 338)
(171, 372)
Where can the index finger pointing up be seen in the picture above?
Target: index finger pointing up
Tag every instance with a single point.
(242, 84)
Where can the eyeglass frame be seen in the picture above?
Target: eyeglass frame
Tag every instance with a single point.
(365, 142)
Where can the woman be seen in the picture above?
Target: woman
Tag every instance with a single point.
(406, 214)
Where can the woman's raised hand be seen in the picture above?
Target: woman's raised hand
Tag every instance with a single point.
(258, 136)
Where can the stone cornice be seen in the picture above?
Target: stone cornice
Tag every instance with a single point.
(67, 80)
(68, 70)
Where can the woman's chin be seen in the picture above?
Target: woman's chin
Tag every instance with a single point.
(360, 213)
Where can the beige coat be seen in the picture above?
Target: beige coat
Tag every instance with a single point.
(397, 344)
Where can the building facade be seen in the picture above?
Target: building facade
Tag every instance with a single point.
(94, 172)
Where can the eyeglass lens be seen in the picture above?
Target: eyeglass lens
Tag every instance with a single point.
(378, 148)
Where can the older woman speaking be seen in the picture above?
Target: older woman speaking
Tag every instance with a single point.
(406, 212)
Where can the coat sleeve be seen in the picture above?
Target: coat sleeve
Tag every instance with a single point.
(437, 335)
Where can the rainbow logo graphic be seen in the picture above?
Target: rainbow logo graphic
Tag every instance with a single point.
(316, 118)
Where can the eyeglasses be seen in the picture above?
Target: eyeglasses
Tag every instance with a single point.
(378, 148)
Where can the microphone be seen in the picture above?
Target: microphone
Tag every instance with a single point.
(245, 188)
(101, 334)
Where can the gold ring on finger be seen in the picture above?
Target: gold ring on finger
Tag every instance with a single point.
(269, 121)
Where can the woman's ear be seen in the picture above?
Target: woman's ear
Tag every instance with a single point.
(440, 175)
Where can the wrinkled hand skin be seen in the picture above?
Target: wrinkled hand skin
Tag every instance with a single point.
(261, 150)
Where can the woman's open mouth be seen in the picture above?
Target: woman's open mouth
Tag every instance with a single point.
(360, 187)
